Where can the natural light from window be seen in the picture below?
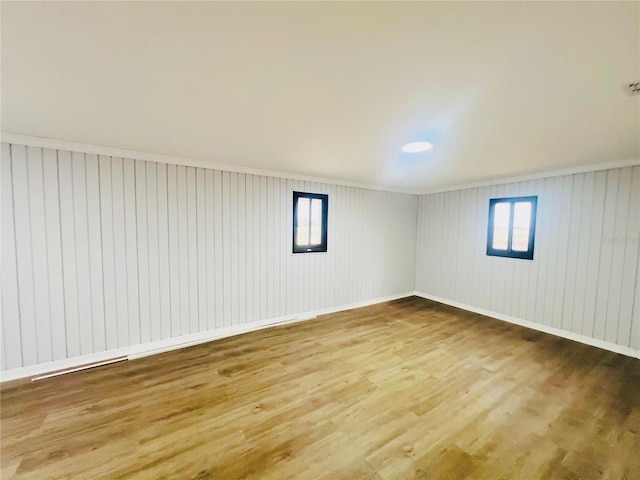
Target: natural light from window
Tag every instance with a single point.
(521, 225)
(502, 213)
(512, 226)
(309, 213)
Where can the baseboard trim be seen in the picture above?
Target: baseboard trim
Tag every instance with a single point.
(160, 346)
(594, 342)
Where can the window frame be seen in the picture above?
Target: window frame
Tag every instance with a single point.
(509, 253)
(325, 210)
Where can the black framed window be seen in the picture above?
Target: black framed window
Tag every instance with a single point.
(310, 222)
(512, 227)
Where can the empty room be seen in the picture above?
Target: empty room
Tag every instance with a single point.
(320, 240)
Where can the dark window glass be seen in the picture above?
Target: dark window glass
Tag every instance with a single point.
(310, 222)
(512, 227)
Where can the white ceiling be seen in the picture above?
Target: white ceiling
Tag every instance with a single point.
(332, 89)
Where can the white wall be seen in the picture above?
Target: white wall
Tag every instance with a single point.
(101, 253)
(584, 276)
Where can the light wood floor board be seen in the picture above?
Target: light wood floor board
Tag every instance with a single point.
(409, 389)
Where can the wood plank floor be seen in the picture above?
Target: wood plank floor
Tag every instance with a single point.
(403, 390)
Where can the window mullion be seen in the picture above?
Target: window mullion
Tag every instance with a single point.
(309, 229)
(510, 228)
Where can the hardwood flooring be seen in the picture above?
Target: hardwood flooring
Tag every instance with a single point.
(409, 389)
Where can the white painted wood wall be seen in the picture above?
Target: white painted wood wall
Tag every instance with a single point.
(584, 276)
(100, 253)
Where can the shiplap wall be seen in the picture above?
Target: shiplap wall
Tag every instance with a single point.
(100, 253)
(584, 276)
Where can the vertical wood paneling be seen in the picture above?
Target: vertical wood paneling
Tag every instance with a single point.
(572, 253)
(54, 253)
(283, 244)
(201, 257)
(360, 227)
(436, 213)
(250, 249)
(374, 234)
(164, 269)
(210, 250)
(226, 249)
(269, 238)
(105, 252)
(258, 242)
(242, 249)
(120, 247)
(583, 278)
(584, 242)
(174, 249)
(69, 272)
(234, 239)
(219, 254)
(263, 236)
(453, 207)
(153, 242)
(462, 229)
(276, 227)
(83, 266)
(470, 260)
(629, 314)
(39, 253)
(485, 264)
(599, 267)
(131, 241)
(545, 251)
(617, 239)
(192, 248)
(11, 325)
(24, 256)
(95, 253)
(109, 253)
(562, 204)
(142, 248)
(479, 243)
(183, 250)
(421, 255)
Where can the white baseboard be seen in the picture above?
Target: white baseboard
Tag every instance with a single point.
(594, 342)
(151, 348)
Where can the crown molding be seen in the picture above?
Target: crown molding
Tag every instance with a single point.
(43, 142)
(633, 162)
(54, 144)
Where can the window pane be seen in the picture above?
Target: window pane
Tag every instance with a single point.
(302, 237)
(521, 226)
(316, 222)
(501, 213)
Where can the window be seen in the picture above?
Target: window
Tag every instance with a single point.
(512, 227)
(310, 222)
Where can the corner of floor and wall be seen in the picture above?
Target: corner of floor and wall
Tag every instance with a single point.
(583, 281)
(110, 255)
